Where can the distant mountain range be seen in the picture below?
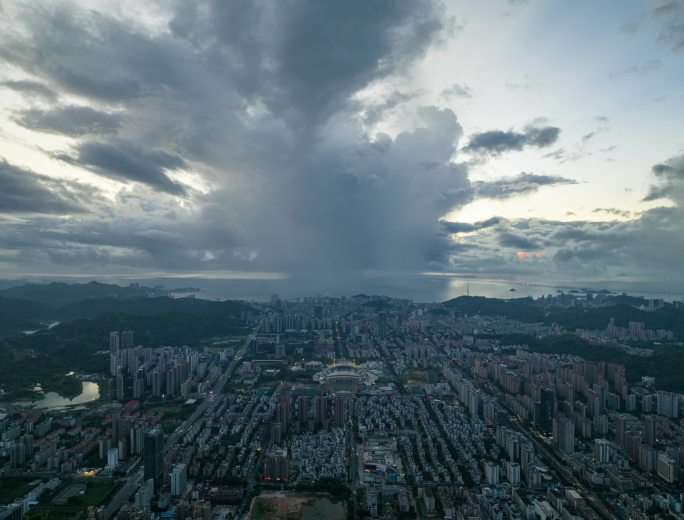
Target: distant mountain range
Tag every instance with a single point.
(59, 293)
(528, 310)
(33, 306)
(666, 364)
(86, 314)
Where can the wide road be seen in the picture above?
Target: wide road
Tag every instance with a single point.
(564, 471)
(131, 483)
(124, 494)
(211, 399)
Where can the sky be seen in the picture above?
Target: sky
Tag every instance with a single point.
(331, 142)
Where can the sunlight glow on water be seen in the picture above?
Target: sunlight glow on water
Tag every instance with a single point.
(53, 401)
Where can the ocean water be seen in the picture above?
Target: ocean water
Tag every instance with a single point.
(53, 401)
(419, 288)
(422, 288)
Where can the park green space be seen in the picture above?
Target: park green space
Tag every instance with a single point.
(73, 499)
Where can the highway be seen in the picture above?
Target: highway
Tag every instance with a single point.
(124, 494)
(131, 484)
(213, 394)
(564, 471)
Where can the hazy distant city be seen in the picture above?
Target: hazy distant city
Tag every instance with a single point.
(341, 260)
(125, 402)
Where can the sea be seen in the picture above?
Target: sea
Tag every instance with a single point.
(419, 288)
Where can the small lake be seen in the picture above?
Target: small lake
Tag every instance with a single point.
(53, 401)
(50, 325)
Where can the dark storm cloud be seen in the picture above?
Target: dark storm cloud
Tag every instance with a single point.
(613, 211)
(464, 227)
(642, 69)
(457, 90)
(375, 112)
(563, 255)
(670, 180)
(649, 243)
(93, 55)
(587, 137)
(24, 191)
(670, 16)
(313, 227)
(260, 97)
(522, 184)
(496, 142)
(304, 59)
(562, 155)
(517, 242)
(655, 193)
(30, 88)
(70, 120)
(125, 161)
(379, 202)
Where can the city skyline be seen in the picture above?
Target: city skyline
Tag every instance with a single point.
(331, 144)
(366, 407)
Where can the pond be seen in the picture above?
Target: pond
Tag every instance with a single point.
(53, 401)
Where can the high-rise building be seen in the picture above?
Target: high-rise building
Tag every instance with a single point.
(138, 384)
(492, 473)
(153, 457)
(103, 447)
(543, 410)
(137, 439)
(113, 458)
(283, 412)
(513, 473)
(27, 439)
(15, 452)
(276, 434)
(171, 382)
(276, 466)
(668, 404)
(647, 458)
(648, 403)
(666, 467)
(602, 450)
(382, 325)
(157, 383)
(127, 339)
(123, 449)
(341, 405)
(620, 430)
(179, 476)
(650, 430)
(120, 386)
(303, 406)
(565, 434)
(321, 410)
(114, 344)
(630, 402)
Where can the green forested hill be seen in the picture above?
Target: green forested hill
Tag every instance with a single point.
(48, 355)
(88, 312)
(18, 315)
(150, 307)
(666, 364)
(57, 293)
(45, 303)
(533, 311)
